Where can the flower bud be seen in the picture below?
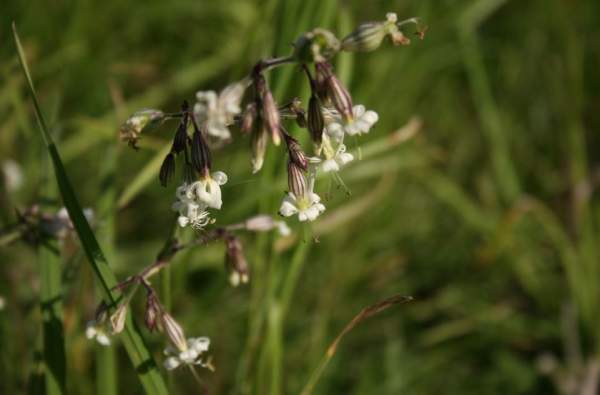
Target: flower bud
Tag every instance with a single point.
(259, 145)
(316, 122)
(248, 118)
(235, 261)
(336, 92)
(152, 312)
(181, 136)
(366, 37)
(167, 169)
(200, 153)
(296, 179)
(139, 122)
(317, 45)
(117, 320)
(270, 112)
(173, 331)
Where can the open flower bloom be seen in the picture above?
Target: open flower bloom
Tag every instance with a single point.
(189, 355)
(308, 207)
(96, 331)
(361, 122)
(194, 199)
(337, 160)
(218, 111)
(190, 212)
(208, 190)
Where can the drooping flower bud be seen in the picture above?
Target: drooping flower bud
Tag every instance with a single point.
(235, 261)
(139, 122)
(152, 312)
(167, 169)
(336, 92)
(259, 145)
(248, 118)
(173, 331)
(117, 320)
(296, 179)
(270, 112)
(316, 122)
(200, 153)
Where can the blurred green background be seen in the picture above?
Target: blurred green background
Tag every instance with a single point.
(488, 216)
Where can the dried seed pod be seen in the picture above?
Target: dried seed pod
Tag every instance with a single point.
(139, 122)
(167, 169)
(117, 320)
(366, 37)
(152, 312)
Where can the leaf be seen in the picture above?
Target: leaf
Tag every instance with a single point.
(139, 354)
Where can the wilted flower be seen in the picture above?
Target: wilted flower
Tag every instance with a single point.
(140, 121)
(235, 261)
(217, 112)
(95, 330)
(362, 121)
(117, 320)
(189, 354)
(265, 223)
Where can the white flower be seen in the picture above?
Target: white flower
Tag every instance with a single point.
(189, 355)
(361, 122)
(283, 228)
(308, 207)
(194, 199)
(218, 111)
(95, 331)
(339, 159)
(208, 190)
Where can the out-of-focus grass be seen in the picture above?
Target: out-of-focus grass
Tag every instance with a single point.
(488, 216)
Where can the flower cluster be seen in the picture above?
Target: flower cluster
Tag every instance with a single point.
(249, 106)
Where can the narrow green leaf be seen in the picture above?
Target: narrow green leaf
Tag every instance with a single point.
(139, 354)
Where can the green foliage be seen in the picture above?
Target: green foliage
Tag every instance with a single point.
(488, 215)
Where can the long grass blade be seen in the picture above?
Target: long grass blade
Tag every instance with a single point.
(139, 354)
(364, 314)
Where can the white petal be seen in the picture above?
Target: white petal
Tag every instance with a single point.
(358, 110)
(220, 177)
(371, 117)
(200, 344)
(90, 332)
(183, 221)
(344, 158)
(171, 363)
(283, 228)
(330, 165)
(303, 215)
(314, 198)
(287, 208)
(103, 339)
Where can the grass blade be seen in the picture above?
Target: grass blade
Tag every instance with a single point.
(139, 354)
(364, 314)
(52, 318)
